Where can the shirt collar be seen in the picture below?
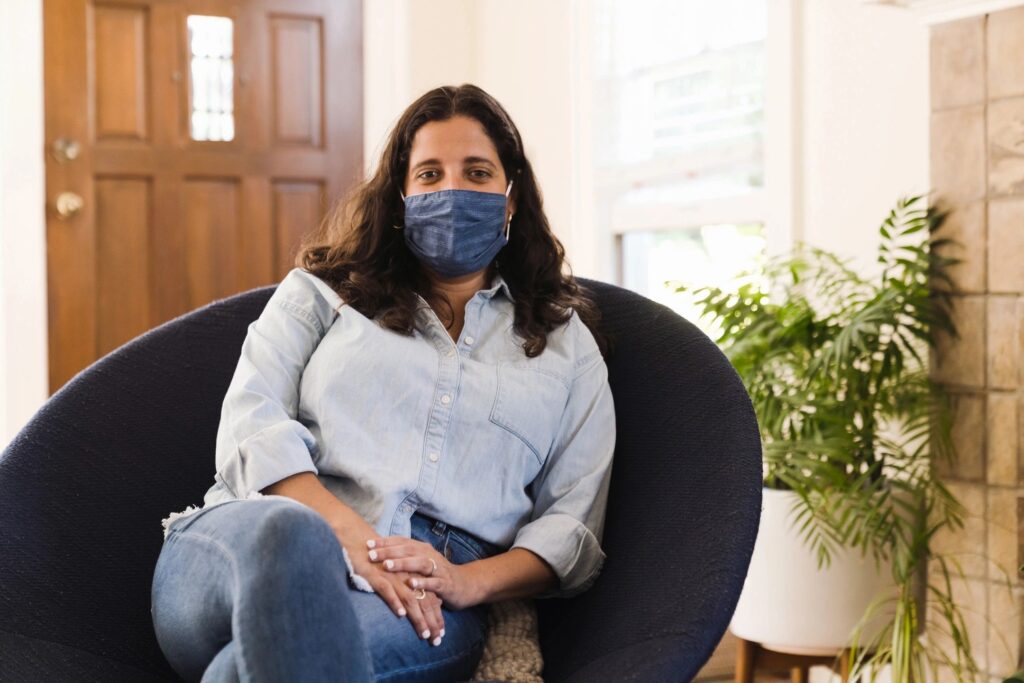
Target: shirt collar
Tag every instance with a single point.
(498, 284)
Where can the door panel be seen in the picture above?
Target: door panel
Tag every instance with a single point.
(120, 94)
(186, 160)
(296, 53)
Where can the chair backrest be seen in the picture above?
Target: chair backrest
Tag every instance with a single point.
(85, 483)
(683, 506)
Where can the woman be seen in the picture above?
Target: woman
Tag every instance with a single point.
(414, 429)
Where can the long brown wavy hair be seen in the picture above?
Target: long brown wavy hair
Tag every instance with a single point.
(365, 260)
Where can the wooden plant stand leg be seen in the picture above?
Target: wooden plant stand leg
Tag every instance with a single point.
(752, 657)
(746, 657)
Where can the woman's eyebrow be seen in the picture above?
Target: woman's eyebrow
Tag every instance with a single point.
(467, 160)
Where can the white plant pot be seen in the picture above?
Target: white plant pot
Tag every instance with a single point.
(788, 604)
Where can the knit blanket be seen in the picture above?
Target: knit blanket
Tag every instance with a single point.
(512, 648)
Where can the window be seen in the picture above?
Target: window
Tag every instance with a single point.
(709, 255)
(678, 128)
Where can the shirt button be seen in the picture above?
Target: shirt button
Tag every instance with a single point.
(434, 457)
(451, 352)
(469, 340)
(446, 399)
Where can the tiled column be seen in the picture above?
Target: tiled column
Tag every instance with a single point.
(977, 169)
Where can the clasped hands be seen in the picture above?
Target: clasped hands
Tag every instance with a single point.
(414, 580)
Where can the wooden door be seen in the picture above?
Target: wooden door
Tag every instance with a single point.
(190, 145)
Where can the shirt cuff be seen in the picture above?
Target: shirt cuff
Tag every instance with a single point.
(267, 457)
(569, 547)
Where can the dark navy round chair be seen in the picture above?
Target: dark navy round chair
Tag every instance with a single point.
(84, 485)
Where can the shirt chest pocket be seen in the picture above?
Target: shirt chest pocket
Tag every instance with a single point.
(529, 402)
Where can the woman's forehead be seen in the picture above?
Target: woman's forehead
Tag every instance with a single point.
(454, 139)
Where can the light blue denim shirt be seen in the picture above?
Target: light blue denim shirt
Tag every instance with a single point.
(515, 450)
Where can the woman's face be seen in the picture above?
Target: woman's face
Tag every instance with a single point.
(456, 154)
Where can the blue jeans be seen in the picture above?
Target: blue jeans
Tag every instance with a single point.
(257, 590)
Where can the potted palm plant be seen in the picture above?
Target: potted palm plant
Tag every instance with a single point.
(853, 429)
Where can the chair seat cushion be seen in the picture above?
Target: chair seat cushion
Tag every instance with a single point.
(31, 659)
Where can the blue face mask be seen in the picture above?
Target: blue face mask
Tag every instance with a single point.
(456, 232)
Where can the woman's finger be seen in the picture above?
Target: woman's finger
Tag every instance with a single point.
(440, 612)
(390, 596)
(391, 541)
(435, 607)
(391, 552)
(436, 584)
(415, 565)
(433, 617)
(412, 549)
(416, 616)
(432, 608)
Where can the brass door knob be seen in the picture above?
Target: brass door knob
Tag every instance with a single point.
(69, 204)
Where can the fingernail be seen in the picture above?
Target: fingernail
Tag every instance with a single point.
(426, 634)
(389, 563)
(401, 612)
(437, 641)
(441, 634)
(371, 543)
(373, 554)
(415, 583)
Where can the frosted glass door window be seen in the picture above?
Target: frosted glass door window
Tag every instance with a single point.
(211, 82)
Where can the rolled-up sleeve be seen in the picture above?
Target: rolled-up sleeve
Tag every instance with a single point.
(260, 441)
(571, 491)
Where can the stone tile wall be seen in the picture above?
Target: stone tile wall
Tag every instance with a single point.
(977, 167)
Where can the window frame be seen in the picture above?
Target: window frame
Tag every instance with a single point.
(597, 240)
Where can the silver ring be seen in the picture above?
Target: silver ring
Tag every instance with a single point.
(433, 566)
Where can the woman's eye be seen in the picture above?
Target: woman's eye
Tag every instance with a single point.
(421, 175)
(483, 173)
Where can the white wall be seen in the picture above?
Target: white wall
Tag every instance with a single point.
(524, 58)
(23, 317)
(866, 118)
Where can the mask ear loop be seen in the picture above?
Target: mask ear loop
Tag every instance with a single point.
(508, 226)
